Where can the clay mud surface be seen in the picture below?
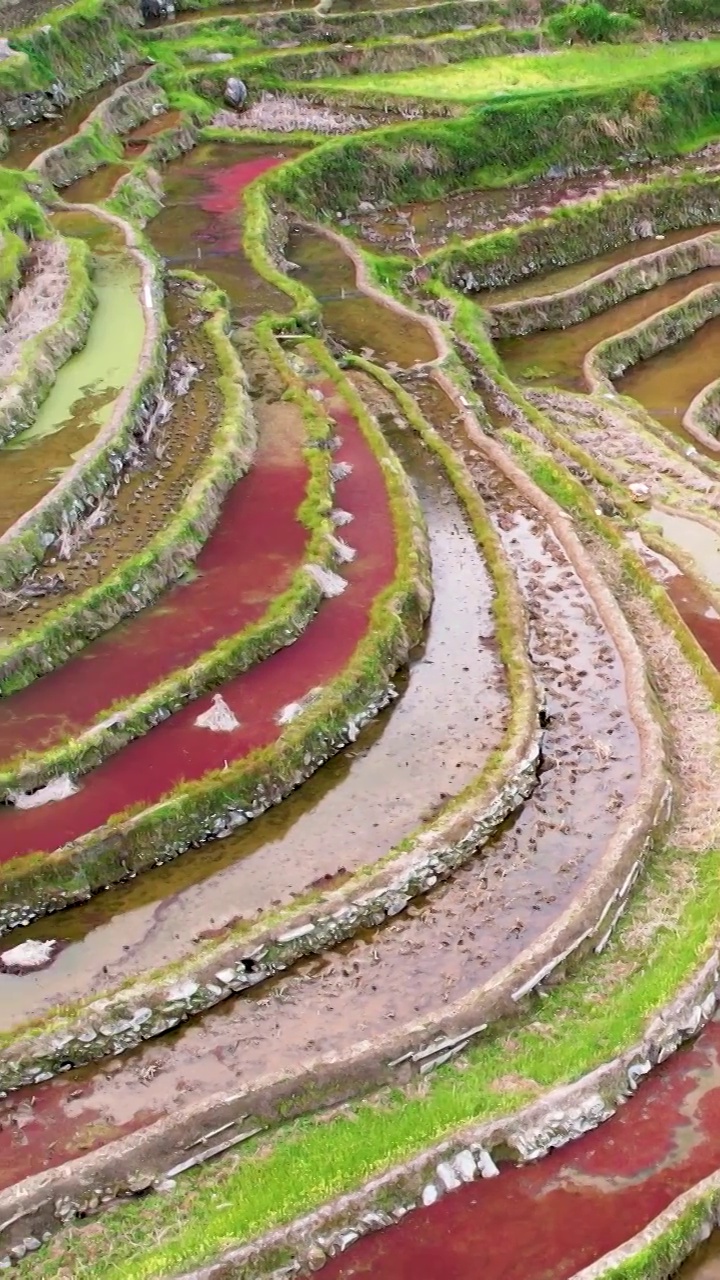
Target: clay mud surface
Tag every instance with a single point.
(435, 738)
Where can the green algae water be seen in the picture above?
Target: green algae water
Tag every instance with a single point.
(88, 385)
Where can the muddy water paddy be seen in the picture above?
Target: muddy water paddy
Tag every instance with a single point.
(178, 750)
(201, 224)
(440, 950)
(696, 611)
(704, 1263)
(667, 383)
(362, 323)
(394, 777)
(84, 393)
(148, 490)
(555, 356)
(577, 273)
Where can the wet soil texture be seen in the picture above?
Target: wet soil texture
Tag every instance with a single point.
(201, 224)
(147, 491)
(436, 952)
(178, 750)
(548, 1219)
(397, 774)
(426, 225)
(87, 387)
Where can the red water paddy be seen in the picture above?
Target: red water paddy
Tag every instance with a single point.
(247, 560)
(177, 750)
(545, 1221)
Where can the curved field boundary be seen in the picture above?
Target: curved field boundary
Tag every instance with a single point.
(37, 883)
(368, 24)
(601, 292)
(42, 356)
(96, 141)
(560, 1116)
(578, 231)
(144, 575)
(23, 545)
(587, 922)
(611, 358)
(402, 53)
(283, 622)
(657, 1251)
(217, 970)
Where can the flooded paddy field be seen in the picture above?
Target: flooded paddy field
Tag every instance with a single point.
(447, 722)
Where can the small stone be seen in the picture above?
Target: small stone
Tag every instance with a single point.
(28, 956)
(430, 1194)
(447, 1176)
(316, 1257)
(183, 990)
(18, 1251)
(487, 1167)
(464, 1165)
(166, 1185)
(640, 492)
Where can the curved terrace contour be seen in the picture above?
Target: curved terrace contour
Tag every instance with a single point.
(359, 639)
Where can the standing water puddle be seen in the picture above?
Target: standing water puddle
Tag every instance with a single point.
(698, 614)
(399, 773)
(84, 393)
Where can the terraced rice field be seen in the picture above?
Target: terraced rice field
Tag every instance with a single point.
(359, 643)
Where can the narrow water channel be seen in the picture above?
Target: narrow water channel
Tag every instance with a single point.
(84, 393)
(554, 357)
(26, 144)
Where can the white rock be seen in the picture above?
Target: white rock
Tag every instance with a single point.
(487, 1167)
(29, 955)
(447, 1176)
(464, 1166)
(430, 1194)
